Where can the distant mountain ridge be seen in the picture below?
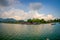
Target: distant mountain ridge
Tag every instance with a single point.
(7, 19)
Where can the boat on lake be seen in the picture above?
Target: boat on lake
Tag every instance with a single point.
(53, 24)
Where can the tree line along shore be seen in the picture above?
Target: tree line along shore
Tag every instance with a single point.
(28, 21)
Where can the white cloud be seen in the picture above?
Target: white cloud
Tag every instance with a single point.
(14, 13)
(36, 14)
(4, 4)
(22, 15)
(14, 2)
(35, 6)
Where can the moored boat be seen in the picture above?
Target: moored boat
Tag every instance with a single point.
(53, 24)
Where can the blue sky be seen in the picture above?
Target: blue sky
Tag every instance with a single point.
(51, 6)
(46, 7)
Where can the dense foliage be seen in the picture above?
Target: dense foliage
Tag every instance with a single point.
(31, 21)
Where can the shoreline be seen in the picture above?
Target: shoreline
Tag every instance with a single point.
(34, 24)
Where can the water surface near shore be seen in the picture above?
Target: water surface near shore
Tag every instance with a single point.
(29, 32)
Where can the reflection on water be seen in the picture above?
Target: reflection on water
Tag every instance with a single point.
(29, 32)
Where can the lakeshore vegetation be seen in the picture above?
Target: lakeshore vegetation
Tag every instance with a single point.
(28, 21)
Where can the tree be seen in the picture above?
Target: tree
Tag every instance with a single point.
(29, 20)
(42, 21)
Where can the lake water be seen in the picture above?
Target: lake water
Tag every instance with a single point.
(29, 32)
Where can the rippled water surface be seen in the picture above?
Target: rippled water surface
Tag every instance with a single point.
(29, 32)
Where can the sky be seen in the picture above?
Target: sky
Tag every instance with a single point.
(28, 9)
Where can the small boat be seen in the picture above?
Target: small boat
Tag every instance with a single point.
(53, 24)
